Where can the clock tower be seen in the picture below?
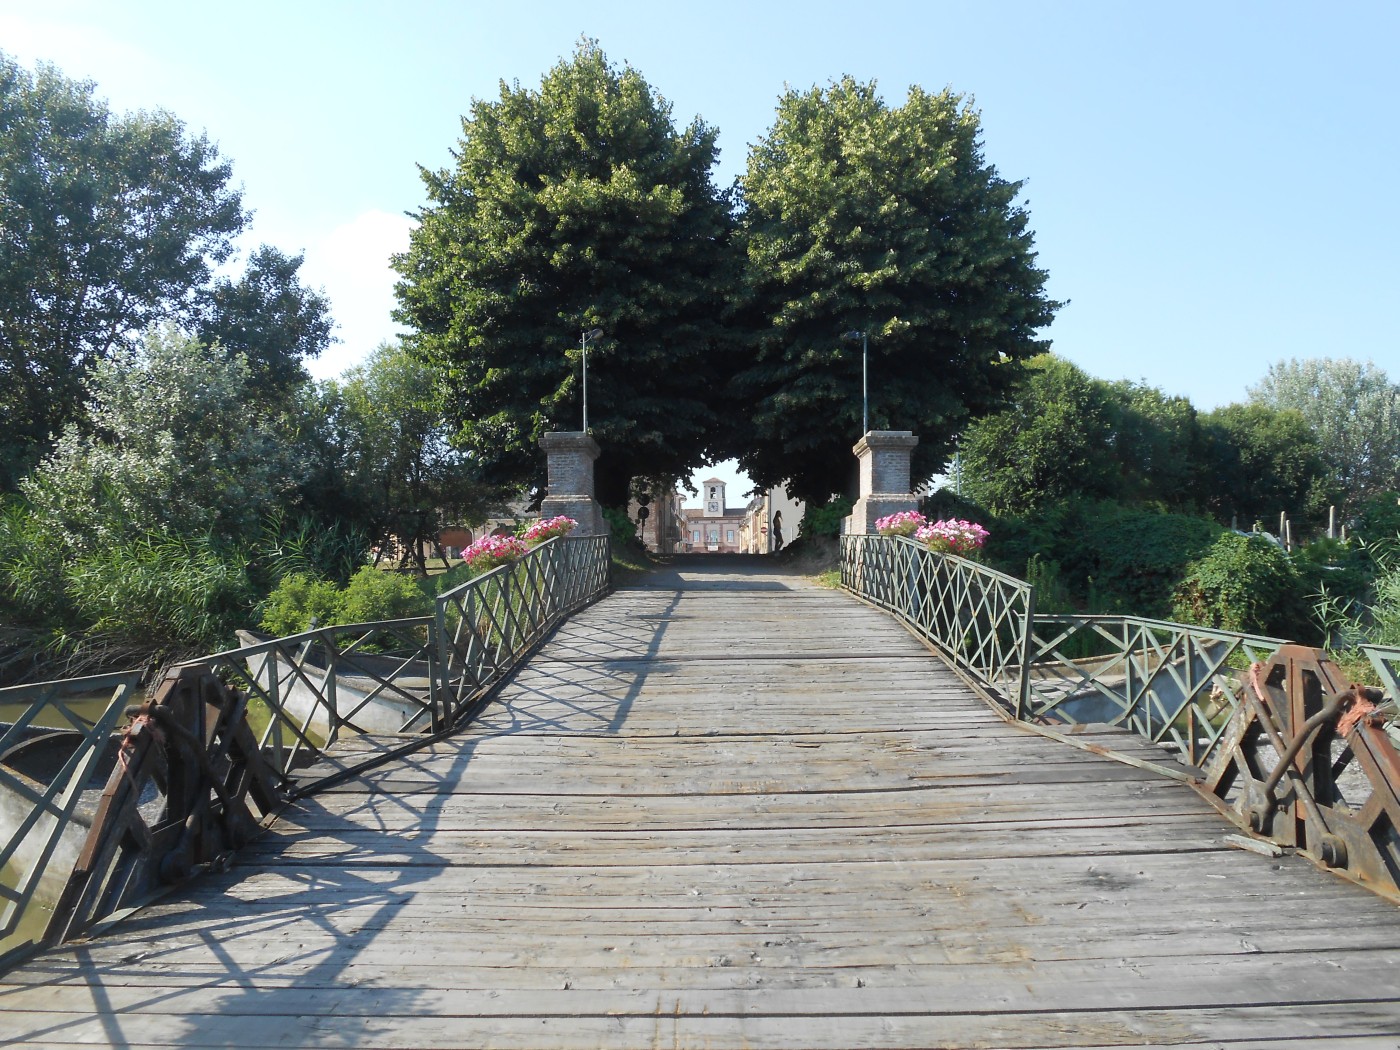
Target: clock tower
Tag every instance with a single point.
(712, 498)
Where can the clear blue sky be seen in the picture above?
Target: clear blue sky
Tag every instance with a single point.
(1211, 184)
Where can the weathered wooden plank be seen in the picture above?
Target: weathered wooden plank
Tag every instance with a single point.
(663, 1027)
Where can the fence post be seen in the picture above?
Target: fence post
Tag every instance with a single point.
(1023, 692)
(442, 702)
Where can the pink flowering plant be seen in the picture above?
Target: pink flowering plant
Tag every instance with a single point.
(491, 552)
(905, 523)
(548, 528)
(953, 536)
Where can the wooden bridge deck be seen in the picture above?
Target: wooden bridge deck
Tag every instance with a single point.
(729, 810)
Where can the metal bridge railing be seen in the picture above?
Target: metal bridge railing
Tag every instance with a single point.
(978, 617)
(1270, 732)
(44, 819)
(1386, 661)
(1167, 682)
(306, 691)
(104, 818)
(487, 625)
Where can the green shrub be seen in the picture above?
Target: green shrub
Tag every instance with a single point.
(826, 519)
(1378, 519)
(299, 544)
(1244, 583)
(298, 600)
(623, 528)
(1051, 595)
(942, 504)
(1338, 568)
(373, 594)
(1110, 558)
(1385, 609)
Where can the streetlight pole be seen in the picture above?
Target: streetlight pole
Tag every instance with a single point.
(864, 338)
(591, 335)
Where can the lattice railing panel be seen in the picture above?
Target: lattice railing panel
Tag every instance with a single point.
(978, 617)
(1171, 683)
(55, 751)
(485, 626)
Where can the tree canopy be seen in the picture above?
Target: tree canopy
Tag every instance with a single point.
(110, 224)
(573, 206)
(269, 317)
(1255, 461)
(1353, 409)
(1067, 435)
(1054, 441)
(887, 220)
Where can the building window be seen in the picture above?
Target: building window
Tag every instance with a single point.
(694, 535)
(729, 536)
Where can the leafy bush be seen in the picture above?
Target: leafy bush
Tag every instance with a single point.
(296, 601)
(1111, 558)
(300, 544)
(1244, 583)
(1378, 525)
(31, 564)
(1385, 610)
(623, 528)
(825, 520)
(373, 594)
(1339, 569)
(945, 503)
(1051, 594)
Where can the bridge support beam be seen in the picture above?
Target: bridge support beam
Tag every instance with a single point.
(569, 458)
(884, 478)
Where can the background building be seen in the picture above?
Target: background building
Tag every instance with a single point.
(664, 528)
(713, 528)
(770, 522)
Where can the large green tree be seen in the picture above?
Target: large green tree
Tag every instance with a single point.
(107, 224)
(1049, 445)
(269, 317)
(861, 216)
(1354, 409)
(1255, 461)
(1066, 435)
(575, 205)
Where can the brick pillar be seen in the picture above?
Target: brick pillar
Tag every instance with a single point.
(884, 478)
(570, 456)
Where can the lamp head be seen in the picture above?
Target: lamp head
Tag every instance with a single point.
(854, 335)
(592, 334)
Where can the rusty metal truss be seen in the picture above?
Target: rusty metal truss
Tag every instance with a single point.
(1306, 762)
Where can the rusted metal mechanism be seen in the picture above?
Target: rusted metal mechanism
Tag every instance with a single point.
(1307, 763)
(189, 786)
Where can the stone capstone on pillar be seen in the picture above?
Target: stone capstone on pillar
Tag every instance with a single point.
(569, 457)
(884, 478)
